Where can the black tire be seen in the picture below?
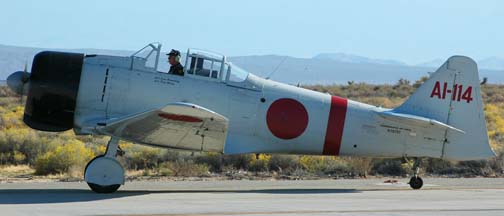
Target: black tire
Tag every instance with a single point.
(416, 182)
(99, 188)
(104, 189)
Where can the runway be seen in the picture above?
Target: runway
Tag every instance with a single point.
(475, 196)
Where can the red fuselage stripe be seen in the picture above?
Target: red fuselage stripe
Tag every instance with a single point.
(335, 126)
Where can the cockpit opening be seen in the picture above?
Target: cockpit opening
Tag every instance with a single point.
(199, 64)
(211, 66)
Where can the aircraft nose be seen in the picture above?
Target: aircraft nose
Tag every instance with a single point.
(17, 80)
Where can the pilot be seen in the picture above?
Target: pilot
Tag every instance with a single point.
(174, 60)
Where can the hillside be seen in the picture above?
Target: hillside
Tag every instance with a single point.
(325, 68)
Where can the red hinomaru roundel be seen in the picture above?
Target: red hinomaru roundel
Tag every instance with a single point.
(287, 118)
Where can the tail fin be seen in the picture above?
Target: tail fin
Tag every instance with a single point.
(452, 96)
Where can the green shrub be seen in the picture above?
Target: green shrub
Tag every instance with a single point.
(477, 168)
(164, 170)
(438, 166)
(141, 157)
(391, 167)
(313, 164)
(259, 164)
(5, 158)
(240, 161)
(336, 167)
(18, 157)
(213, 160)
(62, 158)
(283, 163)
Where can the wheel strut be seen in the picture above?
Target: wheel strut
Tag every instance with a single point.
(416, 182)
(113, 148)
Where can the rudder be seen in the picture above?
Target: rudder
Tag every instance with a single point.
(452, 96)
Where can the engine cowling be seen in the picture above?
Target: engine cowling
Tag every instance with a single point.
(52, 91)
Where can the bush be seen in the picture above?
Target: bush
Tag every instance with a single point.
(313, 164)
(184, 168)
(325, 165)
(62, 158)
(213, 160)
(259, 164)
(360, 165)
(141, 157)
(18, 157)
(477, 168)
(335, 166)
(497, 163)
(438, 166)
(283, 163)
(240, 161)
(5, 158)
(164, 169)
(392, 167)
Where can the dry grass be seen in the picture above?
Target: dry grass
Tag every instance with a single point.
(135, 173)
(23, 172)
(16, 171)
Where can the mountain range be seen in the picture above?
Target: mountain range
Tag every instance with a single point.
(324, 68)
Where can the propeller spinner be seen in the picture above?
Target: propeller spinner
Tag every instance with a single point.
(18, 80)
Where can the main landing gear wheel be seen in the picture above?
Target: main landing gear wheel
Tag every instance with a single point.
(104, 174)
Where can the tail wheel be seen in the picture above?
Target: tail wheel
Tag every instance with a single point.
(416, 182)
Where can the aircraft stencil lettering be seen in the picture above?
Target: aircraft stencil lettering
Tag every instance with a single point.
(455, 91)
(218, 107)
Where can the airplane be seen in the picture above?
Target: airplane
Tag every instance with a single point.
(219, 107)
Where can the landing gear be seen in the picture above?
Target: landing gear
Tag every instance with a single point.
(103, 189)
(416, 182)
(104, 174)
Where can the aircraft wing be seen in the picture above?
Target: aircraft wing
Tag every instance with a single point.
(177, 125)
(416, 120)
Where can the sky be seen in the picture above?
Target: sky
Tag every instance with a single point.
(409, 31)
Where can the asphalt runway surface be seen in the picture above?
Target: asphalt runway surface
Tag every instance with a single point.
(466, 196)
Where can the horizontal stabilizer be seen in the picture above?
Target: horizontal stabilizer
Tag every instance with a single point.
(416, 120)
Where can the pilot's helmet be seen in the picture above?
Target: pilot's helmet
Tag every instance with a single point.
(175, 53)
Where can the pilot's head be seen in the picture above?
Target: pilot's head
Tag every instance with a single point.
(173, 57)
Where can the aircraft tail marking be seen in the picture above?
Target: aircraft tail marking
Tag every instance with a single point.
(335, 125)
(451, 97)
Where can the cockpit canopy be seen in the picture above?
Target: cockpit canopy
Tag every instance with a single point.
(199, 64)
(202, 64)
